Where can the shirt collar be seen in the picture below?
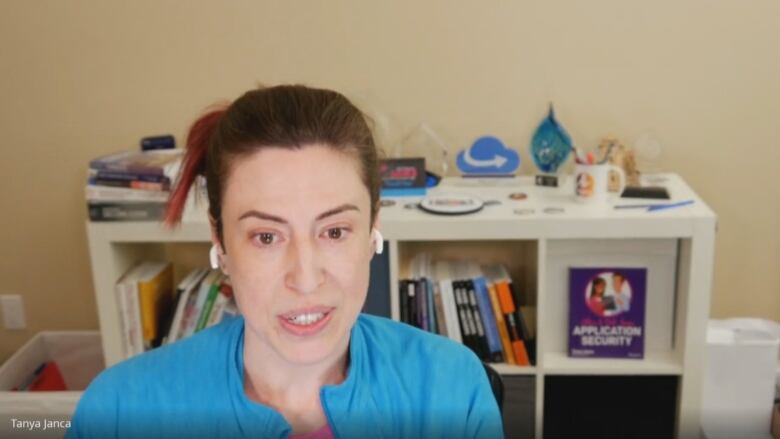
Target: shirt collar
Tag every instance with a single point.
(338, 400)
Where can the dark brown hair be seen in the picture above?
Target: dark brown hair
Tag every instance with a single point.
(597, 281)
(285, 116)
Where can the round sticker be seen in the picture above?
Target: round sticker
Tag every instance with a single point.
(451, 204)
(386, 203)
(554, 210)
(518, 196)
(523, 211)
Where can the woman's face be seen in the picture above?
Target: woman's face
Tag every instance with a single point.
(598, 289)
(298, 247)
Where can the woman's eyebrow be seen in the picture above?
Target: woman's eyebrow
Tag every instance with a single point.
(267, 216)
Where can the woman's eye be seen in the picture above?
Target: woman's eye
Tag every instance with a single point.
(336, 233)
(265, 238)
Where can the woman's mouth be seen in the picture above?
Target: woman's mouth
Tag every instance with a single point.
(306, 322)
(306, 319)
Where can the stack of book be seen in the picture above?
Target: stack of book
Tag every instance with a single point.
(144, 295)
(203, 299)
(471, 304)
(152, 312)
(131, 185)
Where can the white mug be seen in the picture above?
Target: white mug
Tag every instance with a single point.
(591, 182)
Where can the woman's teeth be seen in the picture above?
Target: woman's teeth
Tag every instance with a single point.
(307, 319)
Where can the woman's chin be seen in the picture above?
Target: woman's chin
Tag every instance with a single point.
(310, 349)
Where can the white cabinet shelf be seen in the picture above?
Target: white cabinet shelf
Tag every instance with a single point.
(654, 363)
(676, 245)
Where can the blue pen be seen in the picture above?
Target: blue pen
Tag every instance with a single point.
(669, 206)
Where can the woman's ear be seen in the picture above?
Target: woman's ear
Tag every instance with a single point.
(377, 239)
(216, 253)
(213, 257)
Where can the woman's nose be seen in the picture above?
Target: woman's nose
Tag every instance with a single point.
(305, 272)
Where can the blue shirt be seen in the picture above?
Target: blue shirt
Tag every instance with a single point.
(401, 383)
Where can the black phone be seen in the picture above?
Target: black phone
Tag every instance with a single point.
(609, 303)
(651, 192)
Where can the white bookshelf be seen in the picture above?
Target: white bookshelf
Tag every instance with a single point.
(676, 245)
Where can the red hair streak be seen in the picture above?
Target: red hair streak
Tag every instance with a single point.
(192, 164)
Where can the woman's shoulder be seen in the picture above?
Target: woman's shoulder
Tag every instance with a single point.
(187, 359)
(150, 391)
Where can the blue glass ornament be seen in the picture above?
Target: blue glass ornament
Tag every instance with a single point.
(551, 144)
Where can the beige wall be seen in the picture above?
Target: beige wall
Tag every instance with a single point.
(83, 78)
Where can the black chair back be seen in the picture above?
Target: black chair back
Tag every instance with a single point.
(497, 384)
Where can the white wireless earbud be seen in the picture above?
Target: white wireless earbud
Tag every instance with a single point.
(213, 259)
(379, 242)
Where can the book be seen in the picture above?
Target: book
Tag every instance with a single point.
(192, 313)
(456, 272)
(130, 310)
(115, 176)
(183, 292)
(503, 333)
(155, 292)
(525, 332)
(430, 305)
(607, 312)
(224, 297)
(420, 269)
(211, 297)
(124, 315)
(495, 351)
(120, 194)
(438, 306)
(481, 336)
(472, 332)
(464, 317)
(126, 211)
(498, 275)
(403, 285)
(466, 287)
(158, 162)
(129, 184)
(422, 304)
(529, 316)
(411, 300)
(442, 270)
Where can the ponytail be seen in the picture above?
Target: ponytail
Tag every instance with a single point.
(193, 163)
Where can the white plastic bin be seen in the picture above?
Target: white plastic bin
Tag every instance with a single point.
(739, 378)
(79, 356)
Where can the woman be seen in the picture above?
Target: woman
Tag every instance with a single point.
(293, 193)
(596, 296)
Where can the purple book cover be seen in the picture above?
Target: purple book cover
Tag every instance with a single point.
(607, 312)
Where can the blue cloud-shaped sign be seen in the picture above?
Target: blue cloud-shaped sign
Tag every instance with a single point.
(488, 155)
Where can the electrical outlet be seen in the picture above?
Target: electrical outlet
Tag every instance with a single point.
(13, 311)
